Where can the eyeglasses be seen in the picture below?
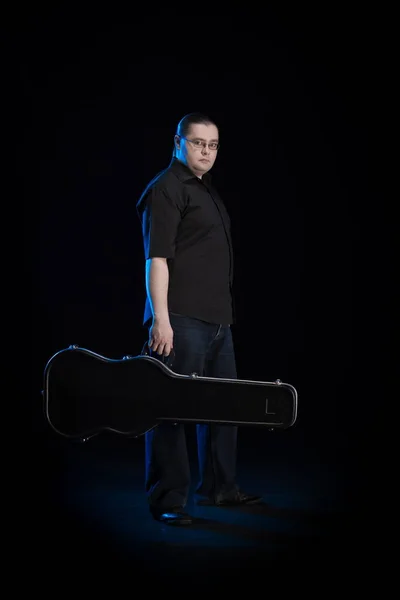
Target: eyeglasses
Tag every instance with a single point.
(199, 144)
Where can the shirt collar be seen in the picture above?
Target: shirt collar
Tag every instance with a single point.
(183, 172)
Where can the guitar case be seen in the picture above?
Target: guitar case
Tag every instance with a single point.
(85, 393)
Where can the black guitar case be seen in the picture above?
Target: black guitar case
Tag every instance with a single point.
(85, 393)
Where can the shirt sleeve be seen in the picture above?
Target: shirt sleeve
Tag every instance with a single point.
(160, 221)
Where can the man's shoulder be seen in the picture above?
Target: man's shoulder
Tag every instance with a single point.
(164, 181)
(161, 180)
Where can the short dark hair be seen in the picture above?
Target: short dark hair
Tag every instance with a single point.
(193, 118)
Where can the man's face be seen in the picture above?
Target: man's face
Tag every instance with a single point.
(194, 149)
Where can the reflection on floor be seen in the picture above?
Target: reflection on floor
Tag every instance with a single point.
(91, 511)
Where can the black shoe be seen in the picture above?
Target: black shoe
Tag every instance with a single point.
(172, 516)
(237, 499)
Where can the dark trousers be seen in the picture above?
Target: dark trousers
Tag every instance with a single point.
(205, 349)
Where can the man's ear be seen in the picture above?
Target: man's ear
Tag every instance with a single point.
(177, 141)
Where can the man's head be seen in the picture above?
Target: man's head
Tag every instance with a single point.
(196, 143)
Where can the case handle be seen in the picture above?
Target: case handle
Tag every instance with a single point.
(166, 360)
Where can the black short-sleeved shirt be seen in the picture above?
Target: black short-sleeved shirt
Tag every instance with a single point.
(185, 221)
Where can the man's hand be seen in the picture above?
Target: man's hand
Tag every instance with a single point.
(161, 336)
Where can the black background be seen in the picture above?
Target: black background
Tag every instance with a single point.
(294, 94)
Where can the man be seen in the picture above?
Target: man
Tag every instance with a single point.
(188, 312)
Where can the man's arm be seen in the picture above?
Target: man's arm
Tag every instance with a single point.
(157, 281)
